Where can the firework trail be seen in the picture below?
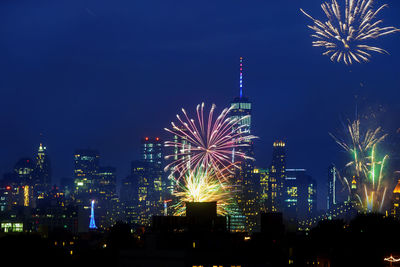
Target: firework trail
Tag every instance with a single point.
(202, 186)
(207, 143)
(359, 144)
(345, 35)
(365, 167)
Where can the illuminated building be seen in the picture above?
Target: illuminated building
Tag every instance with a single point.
(244, 183)
(54, 216)
(140, 174)
(147, 176)
(26, 195)
(42, 173)
(152, 150)
(142, 191)
(104, 187)
(263, 178)
(300, 197)
(85, 172)
(332, 179)
(277, 176)
(9, 193)
(291, 197)
(353, 190)
(152, 154)
(12, 227)
(395, 209)
(5, 197)
(169, 184)
(24, 171)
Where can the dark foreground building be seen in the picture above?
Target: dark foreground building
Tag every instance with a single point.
(201, 238)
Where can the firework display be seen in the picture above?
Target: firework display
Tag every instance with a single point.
(359, 145)
(207, 143)
(346, 35)
(202, 185)
(203, 155)
(366, 168)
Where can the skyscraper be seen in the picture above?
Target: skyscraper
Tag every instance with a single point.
(153, 156)
(300, 195)
(146, 180)
(264, 188)
(42, 173)
(277, 176)
(24, 173)
(332, 178)
(244, 182)
(140, 173)
(106, 196)
(152, 150)
(129, 199)
(85, 173)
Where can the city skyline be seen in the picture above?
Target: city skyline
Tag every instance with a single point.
(200, 133)
(289, 92)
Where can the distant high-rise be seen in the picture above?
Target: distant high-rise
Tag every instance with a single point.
(153, 155)
(244, 182)
(332, 179)
(140, 173)
(85, 174)
(300, 195)
(152, 150)
(42, 176)
(129, 199)
(264, 189)
(146, 180)
(24, 171)
(277, 176)
(395, 208)
(86, 163)
(106, 196)
(24, 174)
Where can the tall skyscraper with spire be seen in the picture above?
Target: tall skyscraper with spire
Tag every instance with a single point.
(244, 183)
(241, 106)
(42, 176)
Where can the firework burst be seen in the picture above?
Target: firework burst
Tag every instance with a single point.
(208, 143)
(345, 35)
(202, 186)
(367, 184)
(359, 144)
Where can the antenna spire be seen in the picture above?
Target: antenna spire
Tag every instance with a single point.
(92, 224)
(241, 78)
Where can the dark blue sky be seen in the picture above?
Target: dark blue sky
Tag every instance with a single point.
(102, 74)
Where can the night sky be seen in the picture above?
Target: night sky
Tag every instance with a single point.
(103, 74)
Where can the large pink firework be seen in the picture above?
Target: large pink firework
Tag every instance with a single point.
(208, 143)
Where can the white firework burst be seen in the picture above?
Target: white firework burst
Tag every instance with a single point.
(345, 35)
